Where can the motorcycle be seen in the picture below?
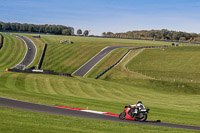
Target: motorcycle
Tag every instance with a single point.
(140, 116)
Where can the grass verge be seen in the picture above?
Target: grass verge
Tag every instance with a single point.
(9, 56)
(24, 121)
(99, 95)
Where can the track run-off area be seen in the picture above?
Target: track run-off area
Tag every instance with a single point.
(75, 112)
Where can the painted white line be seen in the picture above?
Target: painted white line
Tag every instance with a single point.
(89, 60)
(98, 62)
(35, 51)
(27, 52)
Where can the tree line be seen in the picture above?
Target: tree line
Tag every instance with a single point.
(163, 34)
(52, 29)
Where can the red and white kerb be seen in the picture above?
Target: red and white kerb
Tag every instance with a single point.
(90, 111)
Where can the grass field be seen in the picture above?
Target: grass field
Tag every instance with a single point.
(99, 95)
(177, 63)
(172, 70)
(24, 121)
(12, 52)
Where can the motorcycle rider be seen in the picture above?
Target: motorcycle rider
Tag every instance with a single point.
(135, 108)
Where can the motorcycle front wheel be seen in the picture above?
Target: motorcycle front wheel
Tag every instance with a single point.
(141, 117)
(122, 116)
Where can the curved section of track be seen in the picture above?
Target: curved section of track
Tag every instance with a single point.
(10, 103)
(30, 53)
(85, 68)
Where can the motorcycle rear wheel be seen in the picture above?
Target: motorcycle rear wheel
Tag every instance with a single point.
(122, 115)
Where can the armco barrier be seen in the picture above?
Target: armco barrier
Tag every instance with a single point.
(1, 43)
(125, 55)
(42, 56)
(51, 72)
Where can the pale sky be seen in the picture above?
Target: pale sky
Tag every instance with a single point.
(106, 15)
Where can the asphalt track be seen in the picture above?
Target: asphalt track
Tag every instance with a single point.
(30, 53)
(85, 68)
(15, 104)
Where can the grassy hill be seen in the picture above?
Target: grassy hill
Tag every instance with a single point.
(12, 51)
(69, 57)
(177, 63)
(25, 121)
(169, 70)
(130, 81)
(99, 95)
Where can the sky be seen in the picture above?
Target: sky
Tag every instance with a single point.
(100, 16)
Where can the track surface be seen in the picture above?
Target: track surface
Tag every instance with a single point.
(9, 103)
(30, 53)
(84, 69)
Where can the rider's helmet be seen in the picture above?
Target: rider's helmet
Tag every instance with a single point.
(139, 102)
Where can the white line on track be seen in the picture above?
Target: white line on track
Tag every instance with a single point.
(35, 51)
(27, 51)
(88, 61)
(97, 63)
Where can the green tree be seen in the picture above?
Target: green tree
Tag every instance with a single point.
(110, 34)
(86, 33)
(103, 34)
(66, 32)
(79, 32)
(0, 26)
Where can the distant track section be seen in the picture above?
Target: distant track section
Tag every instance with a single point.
(85, 68)
(15, 104)
(30, 52)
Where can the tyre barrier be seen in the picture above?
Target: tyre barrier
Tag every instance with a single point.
(1, 43)
(51, 72)
(125, 55)
(42, 56)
